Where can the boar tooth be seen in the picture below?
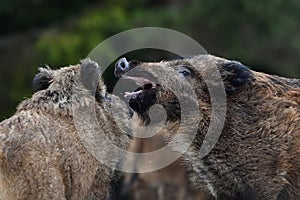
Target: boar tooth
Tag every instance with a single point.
(132, 94)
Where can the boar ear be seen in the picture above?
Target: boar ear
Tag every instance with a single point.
(235, 76)
(90, 74)
(43, 79)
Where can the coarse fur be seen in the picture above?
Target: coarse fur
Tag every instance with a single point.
(257, 155)
(168, 183)
(42, 155)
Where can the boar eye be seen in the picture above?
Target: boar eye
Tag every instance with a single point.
(184, 72)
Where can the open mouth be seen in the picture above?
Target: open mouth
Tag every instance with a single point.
(144, 85)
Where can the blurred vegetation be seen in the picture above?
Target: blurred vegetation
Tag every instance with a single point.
(262, 35)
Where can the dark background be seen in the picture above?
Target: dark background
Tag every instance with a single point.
(264, 36)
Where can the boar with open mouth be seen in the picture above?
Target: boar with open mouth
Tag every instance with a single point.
(258, 153)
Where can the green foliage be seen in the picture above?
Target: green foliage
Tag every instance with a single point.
(68, 46)
(18, 15)
(250, 31)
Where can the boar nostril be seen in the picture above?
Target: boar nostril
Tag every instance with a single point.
(122, 65)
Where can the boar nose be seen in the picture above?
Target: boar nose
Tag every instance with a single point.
(121, 67)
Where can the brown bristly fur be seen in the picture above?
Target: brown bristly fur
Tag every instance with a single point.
(258, 153)
(42, 155)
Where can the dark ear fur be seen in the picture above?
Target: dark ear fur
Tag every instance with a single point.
(235, 76)
(43, 79)
(90, 74)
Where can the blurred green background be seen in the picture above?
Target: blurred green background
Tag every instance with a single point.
(261, 34)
